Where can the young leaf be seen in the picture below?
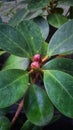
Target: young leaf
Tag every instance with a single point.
(59, 87)
(4, 123)
(29, 126)
(63, 64)
(57, 20)
(12, 41)
(13, 84)
(61, 42)
(38, 107)
(15, 62)
(38, 4)
(43, 25)
(33, 38)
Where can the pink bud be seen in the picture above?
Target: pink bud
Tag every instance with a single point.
(37, 57)
(35, 65)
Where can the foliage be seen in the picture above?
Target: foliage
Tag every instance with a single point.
(32, 59)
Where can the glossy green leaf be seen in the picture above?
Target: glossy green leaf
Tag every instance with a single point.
(44, 49)
(44, 27)
(38, 107)
(13, 84)
(12, 41)
(29, 126)
(62, 40)
(18, 17)
(32, 34)
(23, 14)
(59, 87)
(38, 4)
(4, 123)
(66, 2)
(33, 14)
(57, 20)
(15, 62)
(63, 64)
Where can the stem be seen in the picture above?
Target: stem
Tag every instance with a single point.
(45, 59)
(36, 77)
(48, 11)
(17, 112)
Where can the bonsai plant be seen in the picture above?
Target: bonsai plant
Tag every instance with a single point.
(32, 59)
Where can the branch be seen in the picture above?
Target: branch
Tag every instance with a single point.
(45, 59)
(17, 112)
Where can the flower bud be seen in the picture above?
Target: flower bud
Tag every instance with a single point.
(37, 58)
(35, 65)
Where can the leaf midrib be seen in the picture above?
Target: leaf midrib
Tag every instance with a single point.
(8, 85)
(38, 105)
(18, 46)
(53, 77)
(21, 32)
(14, 63)
(60, 44)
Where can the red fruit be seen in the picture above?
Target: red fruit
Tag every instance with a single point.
(37, 57)
(35, 65)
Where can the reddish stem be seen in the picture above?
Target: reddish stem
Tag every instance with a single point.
(45, 59)
(17, 112)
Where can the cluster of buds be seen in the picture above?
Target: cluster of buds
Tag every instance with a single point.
(36, 61)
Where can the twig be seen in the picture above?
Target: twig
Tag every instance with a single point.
(17, 112)
(45, 59)
(35, 78)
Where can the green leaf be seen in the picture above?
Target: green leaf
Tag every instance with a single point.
(13, 84)
(38, 107)
(23, 14)
(32, 34)
(15, 62)
(18, 17)
(43, 25)
(44, 49)
(4, 123)
(38, 4)
(62, 40)
(55, 118)
(66, 2)
(57, 20)
(4, 111)
(33, 14)
(59, 87)
(29, 126)
(12, 41)
(63, 64)
(2, 52)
